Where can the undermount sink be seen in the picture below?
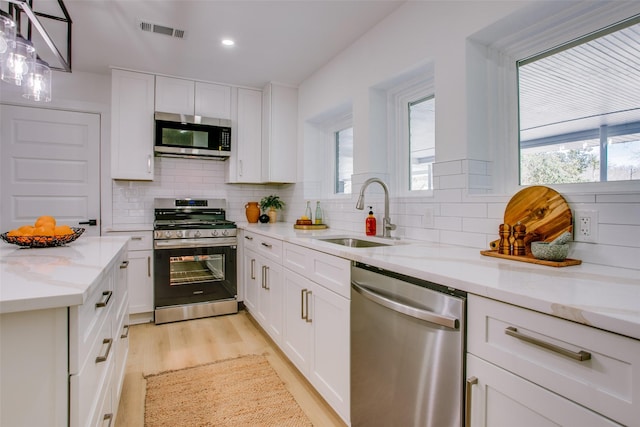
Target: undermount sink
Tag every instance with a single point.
(354, 242)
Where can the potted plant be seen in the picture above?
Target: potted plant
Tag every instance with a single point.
(271, 204)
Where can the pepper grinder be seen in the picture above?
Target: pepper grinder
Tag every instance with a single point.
(504, 247)
(519, 231)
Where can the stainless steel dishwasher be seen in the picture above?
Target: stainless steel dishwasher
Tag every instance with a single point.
(407, 351)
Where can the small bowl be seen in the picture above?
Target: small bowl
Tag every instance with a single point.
(545, 251)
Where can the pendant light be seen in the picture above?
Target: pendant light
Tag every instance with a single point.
(18, 61)
(38, 86)
(7, 36)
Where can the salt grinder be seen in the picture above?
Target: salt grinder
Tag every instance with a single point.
(504, 247)
(519, 231)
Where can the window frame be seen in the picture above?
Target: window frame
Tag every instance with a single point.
(331, 177)
(400, 97)
(497, 50)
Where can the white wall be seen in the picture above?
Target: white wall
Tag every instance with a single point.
(458, 213)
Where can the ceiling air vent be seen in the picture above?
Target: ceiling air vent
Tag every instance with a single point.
(161, 29)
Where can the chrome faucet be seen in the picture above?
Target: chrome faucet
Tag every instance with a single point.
(386, 221)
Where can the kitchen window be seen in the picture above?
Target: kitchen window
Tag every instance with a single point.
(421, 142)
(579, 109)
(343, 143)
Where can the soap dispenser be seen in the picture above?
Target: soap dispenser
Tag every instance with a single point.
(370, 223)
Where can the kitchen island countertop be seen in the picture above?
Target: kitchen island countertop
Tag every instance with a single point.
(603, 297)
(41, 278)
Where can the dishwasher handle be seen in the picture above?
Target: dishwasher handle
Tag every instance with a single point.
(418, 313)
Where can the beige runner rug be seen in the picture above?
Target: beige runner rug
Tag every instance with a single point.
(237, 392)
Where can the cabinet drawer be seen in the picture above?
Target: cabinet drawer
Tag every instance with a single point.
(87, 386)
(327, 270)
(138, 240)
(87, 319)
(263, 245)
(516, 339)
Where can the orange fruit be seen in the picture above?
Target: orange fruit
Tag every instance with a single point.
(44, 220)
(45, 230)
(27, 230)
(63, 230)
(15, 233)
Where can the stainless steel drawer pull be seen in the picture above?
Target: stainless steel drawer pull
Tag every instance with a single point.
(104, 303)
(248, 237)
(126, 334)
(307, 318)
(107, 417)
(266, 277)
(580, 356)
(471, 381)
(302, 292)
(108, 341)
(148, 266)
(136, 238)
(264, 269)
(124, 264)
(253, 269)
(266, 245)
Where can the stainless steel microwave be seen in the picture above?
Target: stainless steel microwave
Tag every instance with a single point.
(179, 135)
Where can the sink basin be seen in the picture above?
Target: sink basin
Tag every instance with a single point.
(353, 242)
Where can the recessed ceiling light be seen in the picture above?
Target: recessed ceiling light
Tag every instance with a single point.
(228, 42)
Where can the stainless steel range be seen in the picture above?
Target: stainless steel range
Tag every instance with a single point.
(194, 260)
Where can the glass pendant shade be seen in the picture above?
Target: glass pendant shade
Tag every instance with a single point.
(18, 61)
(38, 86)
(7, 34)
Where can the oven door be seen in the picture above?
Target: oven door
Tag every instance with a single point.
(193, 275)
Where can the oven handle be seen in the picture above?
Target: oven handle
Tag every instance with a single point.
(196, 243)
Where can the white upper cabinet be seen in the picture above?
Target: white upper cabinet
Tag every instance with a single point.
(244, 166)
(175, 95)
(279, 133)
(132, 102)
(187, 97)
(213, 100)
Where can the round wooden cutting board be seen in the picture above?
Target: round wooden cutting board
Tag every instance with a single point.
(542, 210)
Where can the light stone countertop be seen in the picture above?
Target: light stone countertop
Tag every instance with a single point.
(41, 278)
(603, 297)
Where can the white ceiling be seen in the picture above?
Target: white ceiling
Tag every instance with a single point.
(281, 41)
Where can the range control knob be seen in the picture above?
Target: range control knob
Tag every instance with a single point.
(180, 233)
(167, 234)
(197, 234)
(225, 233)
(214, 233)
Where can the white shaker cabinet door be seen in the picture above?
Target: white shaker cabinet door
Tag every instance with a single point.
(245, 164)
(174, 95)
(132, 102)
(213, 100)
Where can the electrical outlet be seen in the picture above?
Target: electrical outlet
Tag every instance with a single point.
(427, 218)
(585, 227)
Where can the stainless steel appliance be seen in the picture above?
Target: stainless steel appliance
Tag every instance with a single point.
(407, 348)
(178, 135)
(194, 252)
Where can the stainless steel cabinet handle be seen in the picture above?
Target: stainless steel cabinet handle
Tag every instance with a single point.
(240, 164)
(126, 334)
(149, 163)
(136, 238)
(308, 319)
(471, 381)
(148, 266)
(253, 269)
(107, 417)
(266, 245)
(580, 356)
(264, 269)
(124, 264)
(418, 313)
(266, 277)
(248, 237)
(104, 302)
(108, 341)
(302, 292)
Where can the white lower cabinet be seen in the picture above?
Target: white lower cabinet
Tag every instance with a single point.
(263, 292)
(316, 322)
(534, 369)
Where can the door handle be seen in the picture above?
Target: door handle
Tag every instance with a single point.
(467, 397)
(253, 269)
(90, 222)
(580, 356)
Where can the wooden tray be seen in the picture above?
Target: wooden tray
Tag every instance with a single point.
(529, 258)
(310, 226)
(542, 210)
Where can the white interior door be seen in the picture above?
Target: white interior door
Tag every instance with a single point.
(49, 165)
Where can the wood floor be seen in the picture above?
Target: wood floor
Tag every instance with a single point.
(157, 348)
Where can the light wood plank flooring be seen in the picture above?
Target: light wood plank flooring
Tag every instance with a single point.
(157, 348)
